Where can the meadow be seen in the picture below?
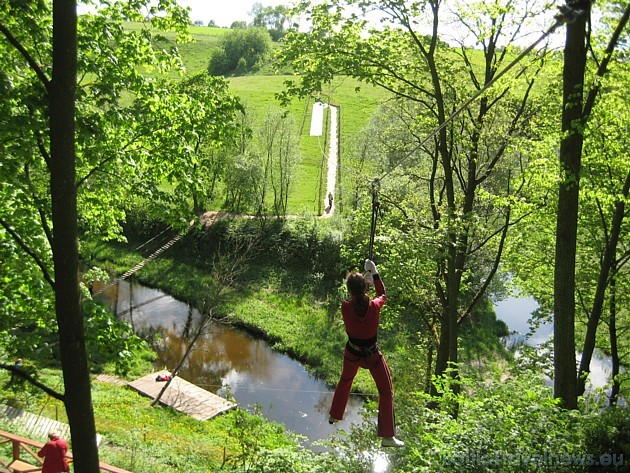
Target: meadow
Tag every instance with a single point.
(258, 92)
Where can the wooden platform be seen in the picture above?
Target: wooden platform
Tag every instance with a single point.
(108, 378)
(33, 424)
(183, 396)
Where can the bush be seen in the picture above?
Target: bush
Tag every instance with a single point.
(240, 51)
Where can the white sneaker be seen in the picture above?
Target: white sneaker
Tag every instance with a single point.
(392, 442)
(332, 420)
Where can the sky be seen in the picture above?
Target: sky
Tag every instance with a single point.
(225, 12)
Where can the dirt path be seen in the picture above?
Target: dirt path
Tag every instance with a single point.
(331, 180)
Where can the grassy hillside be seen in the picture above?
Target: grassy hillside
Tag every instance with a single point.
(258, 93)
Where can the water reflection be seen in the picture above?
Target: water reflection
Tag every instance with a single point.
(516, 312)
(225, 359)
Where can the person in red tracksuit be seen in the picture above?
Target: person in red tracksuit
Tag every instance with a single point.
(361, 317)
(54, 454)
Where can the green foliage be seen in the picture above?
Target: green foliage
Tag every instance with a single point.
(274, 19)
(608, 431)
(240, 51)
(509, 426)
(111, 342)
(252, 451)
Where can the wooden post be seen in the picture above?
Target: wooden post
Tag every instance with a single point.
(16, 449)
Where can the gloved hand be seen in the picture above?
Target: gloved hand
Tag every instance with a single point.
(370, 267)
(370, 271)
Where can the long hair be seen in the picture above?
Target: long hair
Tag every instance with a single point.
(358, 289)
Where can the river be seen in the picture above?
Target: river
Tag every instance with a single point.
(228, 361)
(516, 313)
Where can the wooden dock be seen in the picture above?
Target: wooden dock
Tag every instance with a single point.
(183, 396)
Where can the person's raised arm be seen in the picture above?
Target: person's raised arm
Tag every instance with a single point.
(373, 275)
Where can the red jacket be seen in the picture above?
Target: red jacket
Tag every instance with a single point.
(54, 453)
(364, 327)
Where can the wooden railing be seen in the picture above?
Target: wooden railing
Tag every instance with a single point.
(26, 450)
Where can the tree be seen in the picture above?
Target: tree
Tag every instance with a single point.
(274, 19)
(277, 145)
(76, 151)
(240, 51)
(207, 128)
(238, 25)
(576, 110)
(469, 159)
(612, 225)
(601, 227)
(60, 92)
(65, 250)
(243, 172)
(225, 270)
(566, 226)
(262, 165)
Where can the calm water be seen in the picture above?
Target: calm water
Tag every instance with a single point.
(516, 312)
(225, 359)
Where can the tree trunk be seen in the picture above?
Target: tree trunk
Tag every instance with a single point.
(614, 349)
(600, 292)
(189, 348)
(565, 377)
(441, 362)
(78, 399)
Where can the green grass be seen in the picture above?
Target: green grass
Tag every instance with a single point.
(258, 92)
(141, 438)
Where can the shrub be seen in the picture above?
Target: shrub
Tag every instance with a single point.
(240, 51)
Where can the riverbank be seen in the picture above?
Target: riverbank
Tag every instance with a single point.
(283, 294)
(287, 293)
(229, 362)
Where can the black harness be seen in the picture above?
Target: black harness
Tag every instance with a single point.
(362, 347)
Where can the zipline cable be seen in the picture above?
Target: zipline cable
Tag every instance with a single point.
(566, 15)
(137, 248)
(375, 209)
(260, 388)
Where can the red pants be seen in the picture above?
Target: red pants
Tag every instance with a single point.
(380, 372)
